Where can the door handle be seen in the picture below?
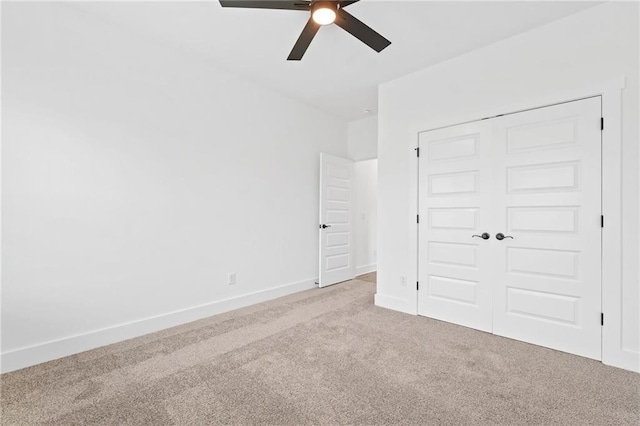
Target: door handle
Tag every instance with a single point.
(325, 226)
(484, 236)
(500, 236)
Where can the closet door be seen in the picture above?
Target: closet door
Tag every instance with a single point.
(547, 189)
(455, 267)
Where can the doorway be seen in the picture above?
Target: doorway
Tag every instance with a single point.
(366, 215)
(348, 219)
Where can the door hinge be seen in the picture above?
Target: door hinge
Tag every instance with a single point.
(601, 123)
(601, 318)
(602, 221)
(417, 285)
(417, 152)
(418, 218)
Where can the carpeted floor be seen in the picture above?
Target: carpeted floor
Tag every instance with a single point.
(324, 356)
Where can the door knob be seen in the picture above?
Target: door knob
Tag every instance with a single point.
(484, 236)
(500, 236)
(325, 226)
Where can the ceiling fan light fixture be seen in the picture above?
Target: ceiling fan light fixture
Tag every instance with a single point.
(324, 13)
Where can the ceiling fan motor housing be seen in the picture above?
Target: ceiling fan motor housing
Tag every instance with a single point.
(333, 5)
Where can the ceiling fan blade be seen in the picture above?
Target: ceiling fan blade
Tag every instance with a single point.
(361, 31)
(346, 3)
(268, 4)
(304, 40)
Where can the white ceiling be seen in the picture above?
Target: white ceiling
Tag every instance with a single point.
(338, 73)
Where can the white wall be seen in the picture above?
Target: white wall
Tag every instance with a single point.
(580, 51)
(135, 178)
(363, 138)
(366, 224)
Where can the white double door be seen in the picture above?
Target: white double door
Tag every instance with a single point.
(535, 177)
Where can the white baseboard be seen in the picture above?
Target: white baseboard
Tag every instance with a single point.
(625, 359)
(395, 304)
(32, 355)
(361, 270)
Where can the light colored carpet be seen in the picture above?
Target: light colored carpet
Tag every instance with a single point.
(324, 356)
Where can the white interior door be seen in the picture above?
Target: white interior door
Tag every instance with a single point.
(336, 220)
(455, 210)
(547, 181)
(534, 178)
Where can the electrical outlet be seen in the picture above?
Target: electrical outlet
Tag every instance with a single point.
(231, 278)
(403, 280)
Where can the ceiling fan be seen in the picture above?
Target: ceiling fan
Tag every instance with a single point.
(322, 13)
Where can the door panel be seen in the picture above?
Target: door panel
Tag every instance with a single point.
(547, 192)
(336, 238)
(455, 178)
